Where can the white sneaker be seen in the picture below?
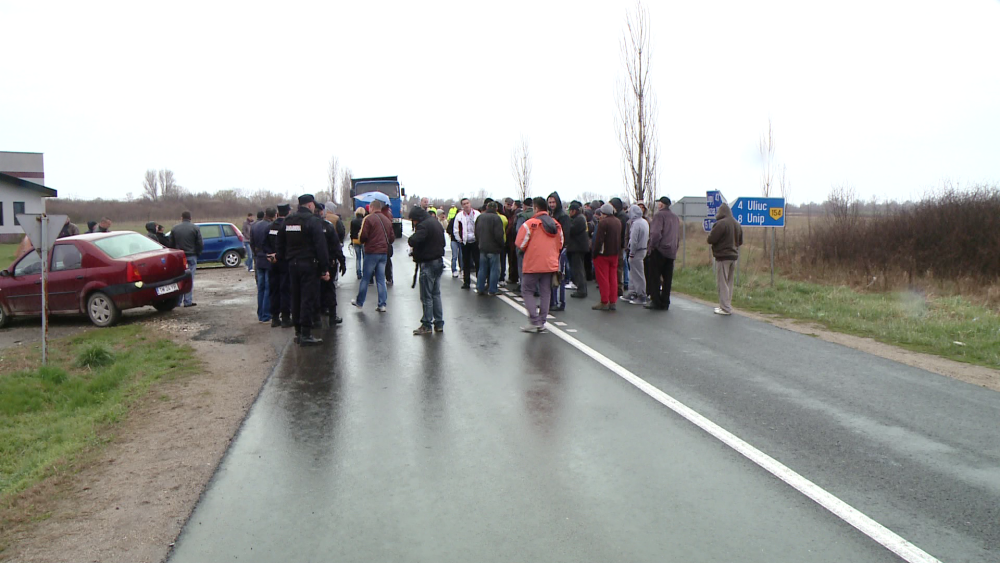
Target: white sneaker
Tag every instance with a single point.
(719, 311)
(380, 308)
(355, 302)
(454, 274)
(532, 328)
(570, 285)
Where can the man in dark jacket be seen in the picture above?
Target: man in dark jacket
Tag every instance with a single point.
(359, 249)
(726, 239)
(558, 300)
(664, 230)
(428, 242)
(607, 252)
(510, 251)
(258, 241)
(577, 246)
(279, 286)
(186, 237)
(247, 226)
(302, 243)
(490, 236)
(336, 261)
(155, 232)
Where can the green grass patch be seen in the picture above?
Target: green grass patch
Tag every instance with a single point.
(7, 253)
(50, 415)
(951, 327)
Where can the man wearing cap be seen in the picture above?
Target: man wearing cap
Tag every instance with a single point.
(279, 292)
(301, 241)
(663, 232)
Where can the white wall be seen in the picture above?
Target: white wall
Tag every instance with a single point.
(25, 165)
(10, 193)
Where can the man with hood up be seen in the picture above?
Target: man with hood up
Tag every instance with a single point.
(428, 242)
(155, 232)
(557, 212)
(726, 238)
(664, 231)
(541, 241)
(638, 240)
(577, 247)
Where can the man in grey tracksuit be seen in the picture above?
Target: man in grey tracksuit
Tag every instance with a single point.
(638, 241)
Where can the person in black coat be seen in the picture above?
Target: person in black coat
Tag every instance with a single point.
(577, 247)
(302, 242)
(428, 242)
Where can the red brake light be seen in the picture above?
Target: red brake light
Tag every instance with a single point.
(185, 259)
(132, 273)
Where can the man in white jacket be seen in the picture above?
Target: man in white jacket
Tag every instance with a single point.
(465, 234)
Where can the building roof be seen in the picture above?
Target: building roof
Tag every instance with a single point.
(22, 183)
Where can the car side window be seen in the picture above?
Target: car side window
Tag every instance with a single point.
(66, 257)
(210, 231)
(28, 265)
(228, 229)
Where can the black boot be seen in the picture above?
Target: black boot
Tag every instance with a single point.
(307, 338)
(286, 321)
(334, 319)
(298, 334)
(275, 321)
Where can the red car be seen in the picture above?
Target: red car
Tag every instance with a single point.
(97, 274)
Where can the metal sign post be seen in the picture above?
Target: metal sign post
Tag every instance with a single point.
(42, 228)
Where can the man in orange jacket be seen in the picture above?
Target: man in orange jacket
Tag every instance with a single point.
(541, 240)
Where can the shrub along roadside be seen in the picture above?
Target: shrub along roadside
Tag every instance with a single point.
(951, 327)
(50, 416)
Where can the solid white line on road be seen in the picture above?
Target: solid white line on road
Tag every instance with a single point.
(886, 537)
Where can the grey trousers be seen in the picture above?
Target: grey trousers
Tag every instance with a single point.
(724, 270)
(538, 307)
(637, 275)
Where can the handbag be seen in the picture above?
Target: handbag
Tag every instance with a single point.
(386, 234)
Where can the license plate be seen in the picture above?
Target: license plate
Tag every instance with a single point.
(164, 289)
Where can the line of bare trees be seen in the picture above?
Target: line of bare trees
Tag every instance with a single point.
(161, 184)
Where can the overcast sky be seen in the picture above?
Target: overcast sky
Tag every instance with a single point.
(893, 98)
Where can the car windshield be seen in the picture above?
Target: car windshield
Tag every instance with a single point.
(126, 245)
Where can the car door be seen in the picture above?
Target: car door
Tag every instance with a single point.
(66, 278)
(24, 293)
(214, 243)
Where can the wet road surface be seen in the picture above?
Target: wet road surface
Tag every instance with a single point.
(486, 444)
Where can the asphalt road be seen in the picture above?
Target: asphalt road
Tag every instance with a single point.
(487, 444)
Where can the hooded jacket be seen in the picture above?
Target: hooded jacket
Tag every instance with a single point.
(427, 239)
(726, 236)
(577, 239)
(638, 239)
(619, 207)
(541, 241)
(490, 232)
(560, 214)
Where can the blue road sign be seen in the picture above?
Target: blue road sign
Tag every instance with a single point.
(713, 199)
(707, 224)
(759, 211)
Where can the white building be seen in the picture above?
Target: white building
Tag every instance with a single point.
(18, 196)
(28, 166)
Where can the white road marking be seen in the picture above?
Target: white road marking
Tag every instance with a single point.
(570, 330)
(884, 536)
(558, 323)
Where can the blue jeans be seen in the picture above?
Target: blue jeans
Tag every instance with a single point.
(456, 256)
(246, 246)
(430, 293)
(489, 269)
(359, 257)
(263, 295)
(625, 271)
(558, 298)
(374, 264)
(188, 297)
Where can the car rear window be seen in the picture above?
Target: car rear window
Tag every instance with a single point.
(228, 229)
(126, 245)
(210, 231)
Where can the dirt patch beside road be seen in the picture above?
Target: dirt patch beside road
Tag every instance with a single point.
(129, 503)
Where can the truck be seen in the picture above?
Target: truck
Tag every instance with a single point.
(388, 185)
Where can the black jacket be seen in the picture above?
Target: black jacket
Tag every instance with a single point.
(622, 216)
(560, 214)
(333, 245)
(577, 239)
(258, 242)
(427, 239)
(302, 237)
(356, 227)
(489, 233)
(186, 237)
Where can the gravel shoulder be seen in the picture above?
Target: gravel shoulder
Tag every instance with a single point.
(130, 501)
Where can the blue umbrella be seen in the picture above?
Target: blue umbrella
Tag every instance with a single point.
(367, 197)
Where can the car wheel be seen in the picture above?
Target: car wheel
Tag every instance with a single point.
(164, 306)
(4, 317)
(102, 310)
(231, 259)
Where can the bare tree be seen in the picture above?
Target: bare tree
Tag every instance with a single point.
(636, 125)
(587, 197)
(150, 186)
(168, 185)
(345, 189)
(332, 176)
(520, 167)
(767, 149)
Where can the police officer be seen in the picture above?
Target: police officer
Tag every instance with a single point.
(279, 287)
(301, 241)
(327, 289)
